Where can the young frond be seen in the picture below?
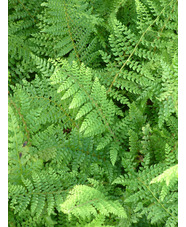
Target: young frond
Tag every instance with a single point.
(84, 201)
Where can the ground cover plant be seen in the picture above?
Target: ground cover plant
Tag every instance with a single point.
(93, 109)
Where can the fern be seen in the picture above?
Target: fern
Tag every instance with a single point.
(68, 28)
(37, 151)
(93, 116)
(22, 24)
(84, 202)
(170, 176)
(89, 100)
(139, 188)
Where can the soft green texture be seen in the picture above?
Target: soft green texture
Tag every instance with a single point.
(93, 108)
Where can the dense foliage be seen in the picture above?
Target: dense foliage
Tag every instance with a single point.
(93, 133)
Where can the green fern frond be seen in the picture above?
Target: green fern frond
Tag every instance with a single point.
(71, 25)
(93, 116)
(170, 176)
(84, 201)
(89, 100)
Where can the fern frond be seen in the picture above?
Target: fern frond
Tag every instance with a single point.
(84, 201)
(89, 100)
(170, 176)
(71, 25)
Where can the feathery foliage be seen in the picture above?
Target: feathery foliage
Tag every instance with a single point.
(93, 109)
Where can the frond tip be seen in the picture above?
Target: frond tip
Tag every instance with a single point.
(84, 201)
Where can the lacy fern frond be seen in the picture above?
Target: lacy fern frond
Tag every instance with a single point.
(93, 113)
(148, 199)
(88, 99)
(72, 27)
(85, 202)
(169, 178)
(22, 24)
